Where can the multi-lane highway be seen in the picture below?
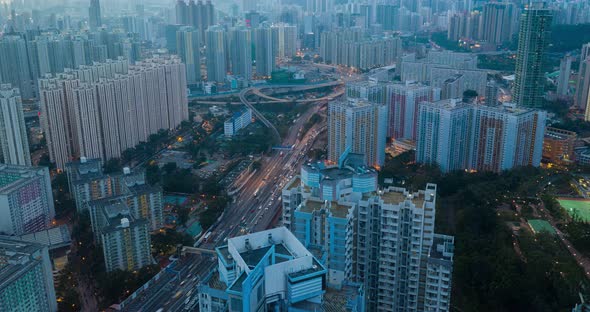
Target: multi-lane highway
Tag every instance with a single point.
(254, 208)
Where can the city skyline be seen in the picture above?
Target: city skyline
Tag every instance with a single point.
(294, 155)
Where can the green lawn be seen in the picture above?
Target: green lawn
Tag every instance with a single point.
(539, 226)
(579, 207)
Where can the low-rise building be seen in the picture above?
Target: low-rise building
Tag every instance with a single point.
(558, 146)
(238, 121)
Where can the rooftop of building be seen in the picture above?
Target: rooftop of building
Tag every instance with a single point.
(353, 164)
(215, 283)
(316, 267)
(16, 257)
(295, 182)
(442, 249)
(559, 134)
(56, 237)
(15, 176)
(252, 247)
(311, 205)
(116, 213)
(340, 300)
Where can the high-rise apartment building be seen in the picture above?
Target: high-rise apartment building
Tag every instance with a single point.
(350, 47)
(14, 64)
(582, 95)
(443, 134)
(457, 136)
(199, 15)
(264, 50)
(357, 126)
(267, 270)
(403, 101)
(382, 239)
(26, 277)
(94, 15)
(499, 22)
(370, 90)
(565, 69)
(216, 54)
(14, 142)
(125, 239)
(533, 38)
(104, 109)
(188, 45)
(26, 200)
(284, 40)
(88, 184)
(240, 47)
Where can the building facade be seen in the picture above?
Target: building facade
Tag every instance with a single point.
(238, 121)
(403, 101)
(217, 53)
(88, 184)
(125, 240)
(381, 238)
(460, 136)
(26, 277)
(26, 200)
(110, 107)
(14, 142)
(357, 126)
(558, 146)
(188, 45)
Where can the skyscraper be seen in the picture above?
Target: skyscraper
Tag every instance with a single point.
(94, 15)
(264, 50)
(26, 200)
(14, 142)
(357, 126)
(26, 277)
(533, 38)
(216, 54)
(188, 46)
(240, 46)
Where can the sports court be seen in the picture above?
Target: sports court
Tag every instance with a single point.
(539, 226)
(581, 207)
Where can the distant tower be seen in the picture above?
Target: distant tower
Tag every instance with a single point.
(565, 68)
(216, 53)
(583, 83)
(188, 43)
(14, 143)
(533, 37)
(94, 17)
(240, 46)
